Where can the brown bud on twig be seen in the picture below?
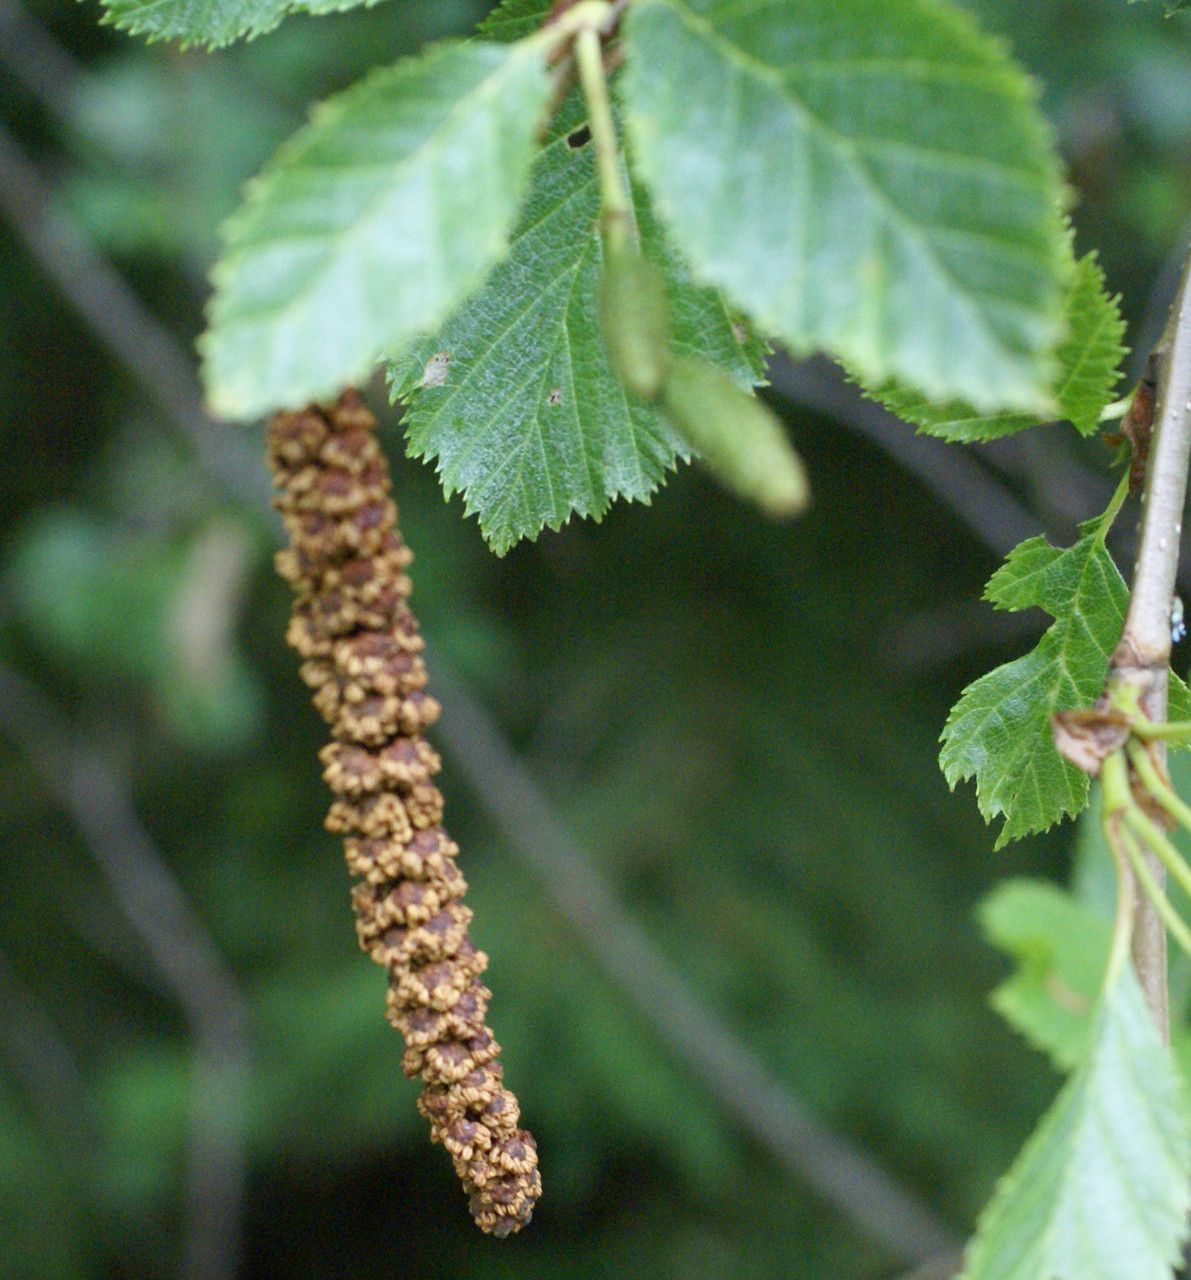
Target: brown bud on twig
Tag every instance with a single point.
(361, 650)
(1137, 426)
(1086, 736)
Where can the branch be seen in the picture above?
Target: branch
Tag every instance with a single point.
(183, 954)
(1156, 313)
(43, 1061)
(961, 484)
(1058, 485)
(845, 1176)
(121, 322)
(1142, 658)
(44, 1064)
(39, 62)
(943, 1268)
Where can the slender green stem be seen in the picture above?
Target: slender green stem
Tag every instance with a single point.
(1115, 503)
(1114, 782)
(1154, 838)
(1176, 731)
(1174, 922)
(1158, 787)
(594, 15)
(616, 215)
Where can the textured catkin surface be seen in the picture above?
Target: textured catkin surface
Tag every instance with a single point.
(361, 654)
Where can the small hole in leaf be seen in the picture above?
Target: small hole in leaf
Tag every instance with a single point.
(579, 138)
(555, 397)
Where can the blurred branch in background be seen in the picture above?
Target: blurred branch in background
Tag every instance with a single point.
(956, 478)
(945, 1268)
(118, 318)
(43, 1062)
(1064, 490)
(927, 640)
(44, 1065)
(38, 61)
(1153, 320)
(846, 1177)
(184, 956)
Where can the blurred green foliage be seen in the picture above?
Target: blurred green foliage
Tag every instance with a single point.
(737, 720)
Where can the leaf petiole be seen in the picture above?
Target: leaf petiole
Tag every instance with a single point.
(1176, 731)
(587, 15)
(1127, 829)
(1106, 519)
(1158, 787)
(1173, 921)
(1114, 782)
(616, 216)
(1148, 831)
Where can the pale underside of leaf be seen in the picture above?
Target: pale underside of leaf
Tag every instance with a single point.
(1061, 943)
(1088, 370)
(1102, 1189)
(1061, 948)
(528, 420)
(371, 224)
(867, 178)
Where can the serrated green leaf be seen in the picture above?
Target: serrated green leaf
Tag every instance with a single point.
(1178, 702)
(515, 397)
(514, 19)
(999, 730)
(1102, 1189)
(866, 177)
(371, 223)
(1089, 364)
(212, 23)
(1061, 946)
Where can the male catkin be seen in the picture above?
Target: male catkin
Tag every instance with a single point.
(361, 652)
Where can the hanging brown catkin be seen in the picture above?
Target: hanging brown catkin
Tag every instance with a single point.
(361, 653)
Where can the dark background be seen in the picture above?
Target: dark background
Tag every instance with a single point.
(767, 914)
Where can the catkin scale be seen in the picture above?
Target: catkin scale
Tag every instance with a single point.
(360, 649)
